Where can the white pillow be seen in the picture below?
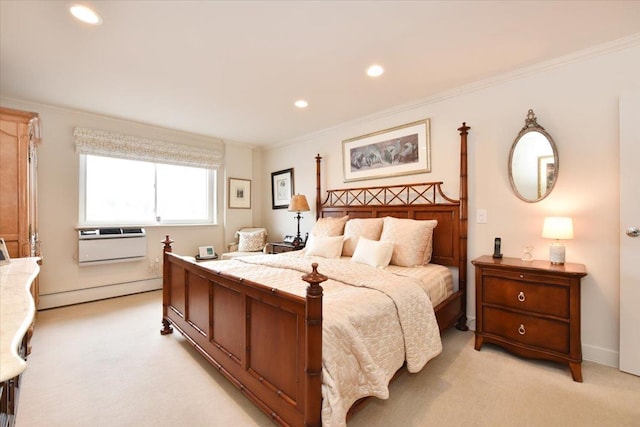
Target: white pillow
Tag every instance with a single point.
(369, 228)
(326, 247)
(412, 240)
(372, 252)
(329, 226)
(251, 241)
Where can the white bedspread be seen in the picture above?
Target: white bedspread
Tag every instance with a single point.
(372, 322)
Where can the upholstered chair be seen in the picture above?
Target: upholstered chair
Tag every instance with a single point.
(249, 241)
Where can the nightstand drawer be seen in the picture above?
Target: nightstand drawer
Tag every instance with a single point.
(537, 298)
(529, 330)
(527, 276)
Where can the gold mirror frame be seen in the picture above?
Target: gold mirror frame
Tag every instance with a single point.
(533, 162)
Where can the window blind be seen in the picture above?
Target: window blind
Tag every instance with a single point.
(102, 143)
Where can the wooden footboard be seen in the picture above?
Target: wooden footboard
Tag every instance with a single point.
(267, 343)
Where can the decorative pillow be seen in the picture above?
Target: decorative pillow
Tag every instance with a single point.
(251, 241)
(372, 252)
(429, 251)
(329, 227)
(412, 240)
(326, 247)
(369, 228)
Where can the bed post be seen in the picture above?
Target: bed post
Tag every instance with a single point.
(462, 269)
(313, 356)
(166, 277)
(318, 195)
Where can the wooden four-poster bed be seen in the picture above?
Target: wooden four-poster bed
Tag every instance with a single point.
(267, 340)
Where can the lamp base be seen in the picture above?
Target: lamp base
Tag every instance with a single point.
(557, 254)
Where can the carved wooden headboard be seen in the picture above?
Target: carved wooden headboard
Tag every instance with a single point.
(421, 201)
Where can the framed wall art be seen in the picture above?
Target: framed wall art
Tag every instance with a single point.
(239, 193)
(281, 188)
(402, 150)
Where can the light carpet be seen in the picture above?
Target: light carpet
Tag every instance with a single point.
(106, 364)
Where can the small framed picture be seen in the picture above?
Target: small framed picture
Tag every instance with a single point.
(206, 252)
(239, 193)
(281, 188)
(4, 253)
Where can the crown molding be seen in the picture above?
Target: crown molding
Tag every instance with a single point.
(541, 67)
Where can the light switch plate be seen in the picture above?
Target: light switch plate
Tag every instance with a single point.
(481, 216)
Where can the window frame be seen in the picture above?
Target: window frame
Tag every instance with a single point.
(212, 202)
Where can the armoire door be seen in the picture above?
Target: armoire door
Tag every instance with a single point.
(19, 132)
(14, 175)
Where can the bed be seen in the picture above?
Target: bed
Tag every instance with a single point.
(274, 325)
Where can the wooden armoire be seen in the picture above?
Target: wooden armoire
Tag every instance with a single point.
(19, 135)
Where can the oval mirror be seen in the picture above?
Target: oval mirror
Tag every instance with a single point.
(533, 162)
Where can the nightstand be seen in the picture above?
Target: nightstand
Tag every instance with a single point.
(279, 247)
(530, 308)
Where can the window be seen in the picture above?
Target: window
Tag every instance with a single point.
(131, 180)
(122, 191)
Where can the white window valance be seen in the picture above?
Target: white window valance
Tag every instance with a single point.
(102, 143)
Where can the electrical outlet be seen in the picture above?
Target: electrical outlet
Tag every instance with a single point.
(154, 265)
(481, 216)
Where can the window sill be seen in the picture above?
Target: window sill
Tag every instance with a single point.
(86, 226)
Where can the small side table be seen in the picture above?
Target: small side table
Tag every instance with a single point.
(531, 308)
(280, 247)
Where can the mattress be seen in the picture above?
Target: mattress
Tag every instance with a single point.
(436, 280)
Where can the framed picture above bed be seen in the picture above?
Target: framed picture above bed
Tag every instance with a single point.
(239, 193)
(281, 188)
(402, 150)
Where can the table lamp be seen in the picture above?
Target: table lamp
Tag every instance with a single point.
(298, 204)
(558, 228)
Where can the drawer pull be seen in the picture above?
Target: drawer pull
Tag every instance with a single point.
(522, 330)
(522, 276)
(521, 297)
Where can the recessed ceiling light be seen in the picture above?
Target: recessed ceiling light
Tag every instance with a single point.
(85, 14)
(375, 71)
(301, 103)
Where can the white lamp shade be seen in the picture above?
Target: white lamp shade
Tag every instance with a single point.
(557, 227)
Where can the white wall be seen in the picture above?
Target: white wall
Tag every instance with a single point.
(238, 164)
(62, 281)
(577, 103)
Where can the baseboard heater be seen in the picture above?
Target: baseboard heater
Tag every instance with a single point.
(112, 244)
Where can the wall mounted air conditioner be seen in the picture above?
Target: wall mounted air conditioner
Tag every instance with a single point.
(113, 244)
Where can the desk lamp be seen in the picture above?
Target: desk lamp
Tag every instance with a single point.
(298, 204)
(558, 228)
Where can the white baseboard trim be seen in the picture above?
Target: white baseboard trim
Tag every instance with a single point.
(603, 356)
(61, 299)
(471, 323)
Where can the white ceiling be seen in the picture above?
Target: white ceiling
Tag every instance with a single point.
(233, 69)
